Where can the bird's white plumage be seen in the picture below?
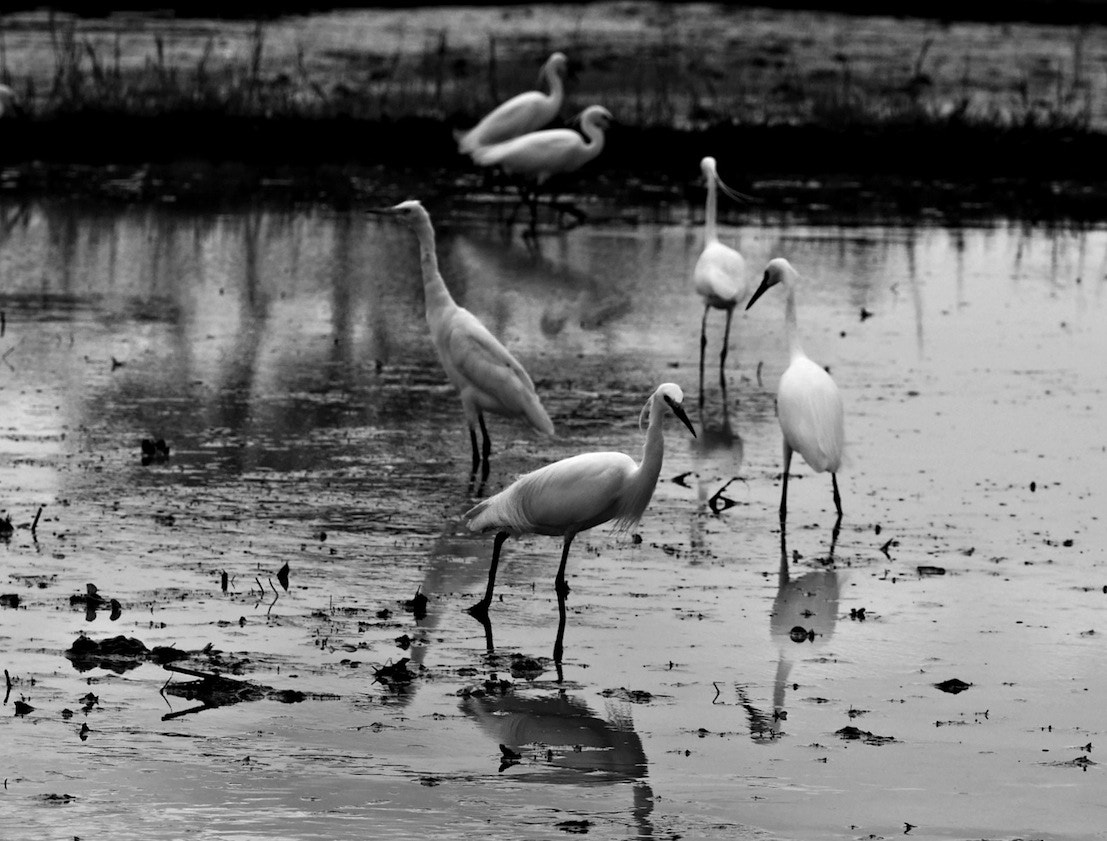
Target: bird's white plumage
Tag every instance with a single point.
(542, 154)
(487, 376)
(809, 408)
(526, 112)
(808, 404)
(720, 272)
(581, 491)
(586, 490)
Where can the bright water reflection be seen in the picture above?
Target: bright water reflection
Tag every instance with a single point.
(284, 357)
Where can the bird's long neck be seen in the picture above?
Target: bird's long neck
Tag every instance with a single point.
(794, 348)
(434, 287)
(654, 449)
(595, 137)
(553, 79)
(710, 227)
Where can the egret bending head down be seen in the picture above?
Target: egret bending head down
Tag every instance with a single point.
(578, 493)
(485, 373)
(808, 404)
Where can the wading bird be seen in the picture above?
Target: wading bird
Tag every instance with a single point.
(575, 494)
(808, 404)
(488, 377)
(523, 113)
(540, 155)
(720, 273)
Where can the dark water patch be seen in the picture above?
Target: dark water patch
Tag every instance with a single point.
(956, 171)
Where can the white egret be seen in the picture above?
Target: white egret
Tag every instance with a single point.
(575, 494)
(719, 275)
(808, 404)
(488, 377)
(540, 155)
(523, 113)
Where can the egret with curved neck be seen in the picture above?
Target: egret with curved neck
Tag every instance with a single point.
(808, 404)
(525, 112)
(575, 494)
(536, 157)
(487, 376)
(720, 273)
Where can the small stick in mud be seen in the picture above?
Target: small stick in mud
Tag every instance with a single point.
(8, 680)
(34, 525)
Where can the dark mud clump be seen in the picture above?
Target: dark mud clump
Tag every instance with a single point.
(856, 734)
(118, 654)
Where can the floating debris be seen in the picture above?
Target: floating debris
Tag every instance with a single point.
(634, 696)
(393, 674)
(952, 686)
(926, 569)
(154, 451)
(417, 605)
(282, 576)
(22, 708)
(9, 599)
(216, 690)
(118, 654)
(576, 827)
(851, 733)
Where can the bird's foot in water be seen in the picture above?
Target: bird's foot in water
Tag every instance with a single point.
(479, 611)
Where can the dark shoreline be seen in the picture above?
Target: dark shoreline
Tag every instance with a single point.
(945, 171)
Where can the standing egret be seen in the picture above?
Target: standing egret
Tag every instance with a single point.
(540, 155)
(719, 275)
(808, 404)
(488, 377)
(525, 112)
(577, 493)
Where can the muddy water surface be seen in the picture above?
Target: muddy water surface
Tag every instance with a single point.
(707, 691)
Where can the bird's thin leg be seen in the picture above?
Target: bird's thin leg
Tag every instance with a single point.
(559, 641)
(476, 451)
(784, 488)
(703, 349)
(838, 521)
(784, 576)
(480, 609)
(560, 584)
(534, 212)
(722, 354)
(486, 449)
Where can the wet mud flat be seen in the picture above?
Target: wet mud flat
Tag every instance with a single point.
(256, 658)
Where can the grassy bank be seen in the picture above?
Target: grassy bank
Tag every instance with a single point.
(885, 115)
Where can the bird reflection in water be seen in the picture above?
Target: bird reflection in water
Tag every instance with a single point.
(805, 612)
(554, 737)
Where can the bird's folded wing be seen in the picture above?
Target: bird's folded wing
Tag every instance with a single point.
(480, 357)
(531, 151)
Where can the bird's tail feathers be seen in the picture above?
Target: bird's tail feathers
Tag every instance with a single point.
(501, 512)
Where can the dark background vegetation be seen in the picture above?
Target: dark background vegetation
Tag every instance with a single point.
(849, 136)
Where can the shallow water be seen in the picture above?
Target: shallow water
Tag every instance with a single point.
(284, 358)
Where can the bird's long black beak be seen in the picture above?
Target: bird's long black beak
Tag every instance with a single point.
(678, 410)
(764, 287)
